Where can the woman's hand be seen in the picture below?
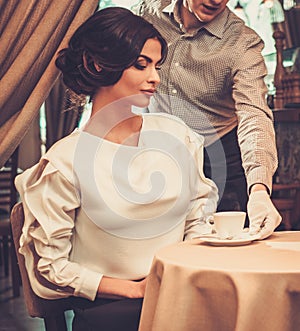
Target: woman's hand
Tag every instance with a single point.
(141, 287)
(114, 288)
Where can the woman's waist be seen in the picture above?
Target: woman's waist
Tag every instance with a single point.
(119, 257)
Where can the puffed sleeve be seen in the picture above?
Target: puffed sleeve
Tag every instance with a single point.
(50, 201)
(205, 193)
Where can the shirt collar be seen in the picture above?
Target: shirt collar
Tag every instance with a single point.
(215, 27)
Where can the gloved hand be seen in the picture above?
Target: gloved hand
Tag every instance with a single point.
(263, 216)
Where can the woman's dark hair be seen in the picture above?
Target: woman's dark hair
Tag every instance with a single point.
(104, 46)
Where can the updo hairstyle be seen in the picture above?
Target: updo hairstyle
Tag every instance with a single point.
(104, 46)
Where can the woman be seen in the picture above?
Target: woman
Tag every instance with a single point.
(104, 199)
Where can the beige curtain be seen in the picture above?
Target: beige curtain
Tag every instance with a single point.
(31, 33)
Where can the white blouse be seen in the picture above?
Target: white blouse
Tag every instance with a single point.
(94, 207)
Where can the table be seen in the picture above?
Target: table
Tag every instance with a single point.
(193, 286)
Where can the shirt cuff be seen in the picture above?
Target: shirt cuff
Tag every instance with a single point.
(88, 287)
(260, 175)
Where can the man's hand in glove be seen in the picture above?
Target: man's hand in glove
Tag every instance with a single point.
(263, 216)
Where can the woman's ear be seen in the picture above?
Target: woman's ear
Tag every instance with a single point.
(97, 66)
(88, 62)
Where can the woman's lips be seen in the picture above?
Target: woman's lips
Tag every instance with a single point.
(148, 92)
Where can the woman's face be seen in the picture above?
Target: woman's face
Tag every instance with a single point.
(139, 82)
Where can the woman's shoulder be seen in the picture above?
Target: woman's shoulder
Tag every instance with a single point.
(65, 145)
(61, 154)
(171, 124)
(56, 162)
(160, 119)
(64, 148)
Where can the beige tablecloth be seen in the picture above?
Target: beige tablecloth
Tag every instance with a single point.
(196, 287)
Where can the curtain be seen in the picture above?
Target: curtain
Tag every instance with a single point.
(31, 33)
(30, 150)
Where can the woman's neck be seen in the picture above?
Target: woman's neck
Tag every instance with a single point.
(115, 122)
(126, 132)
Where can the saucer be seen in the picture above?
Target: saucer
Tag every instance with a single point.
(214, 240)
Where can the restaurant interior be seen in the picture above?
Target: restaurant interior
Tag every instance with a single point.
(37, 110)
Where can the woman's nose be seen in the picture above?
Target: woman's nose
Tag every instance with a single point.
(154, 77)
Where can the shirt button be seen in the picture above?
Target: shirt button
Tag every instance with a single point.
(174, 91)
(177, 64)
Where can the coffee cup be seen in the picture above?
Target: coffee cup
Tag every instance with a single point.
(229, 224)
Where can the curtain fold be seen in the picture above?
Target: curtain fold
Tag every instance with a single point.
(31, 33)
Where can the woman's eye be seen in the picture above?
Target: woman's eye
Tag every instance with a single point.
(140, 66)
(143, 66)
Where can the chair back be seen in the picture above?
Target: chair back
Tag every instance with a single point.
(8, 192)
(8, 198)
(52, 311)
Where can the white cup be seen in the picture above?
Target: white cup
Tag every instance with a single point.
(229, 224)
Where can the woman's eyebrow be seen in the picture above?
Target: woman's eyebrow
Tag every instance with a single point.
(148, 59)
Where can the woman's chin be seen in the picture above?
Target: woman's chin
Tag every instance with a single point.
(140, 100)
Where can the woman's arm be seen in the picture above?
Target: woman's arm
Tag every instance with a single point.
(50, 201)
(114, 288)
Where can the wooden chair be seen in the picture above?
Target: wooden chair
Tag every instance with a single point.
(8, 198)
(52, 311)
(286, 198)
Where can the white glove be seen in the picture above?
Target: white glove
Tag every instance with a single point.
(263, 216)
